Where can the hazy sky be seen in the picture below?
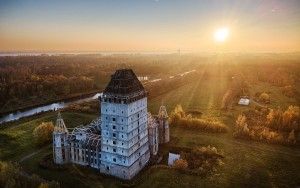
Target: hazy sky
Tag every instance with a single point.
(149, 25)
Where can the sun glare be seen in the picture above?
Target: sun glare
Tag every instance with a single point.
(221, 34)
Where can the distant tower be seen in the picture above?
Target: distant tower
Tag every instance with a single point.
(60, 142)
(163, 125)
(124, 134)
(153, 135)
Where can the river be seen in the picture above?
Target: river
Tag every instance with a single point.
(44, 108)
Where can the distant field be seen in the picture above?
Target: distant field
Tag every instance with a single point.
(204, 95)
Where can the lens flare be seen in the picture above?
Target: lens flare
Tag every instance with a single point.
(221, 34)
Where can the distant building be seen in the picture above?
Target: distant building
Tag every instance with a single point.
(244, 101)
(172, 158)
(121, 141)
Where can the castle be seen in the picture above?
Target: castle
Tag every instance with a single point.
(121, 141)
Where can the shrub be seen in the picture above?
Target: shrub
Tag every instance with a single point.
(241, 126)
(264, 97)
(289, 91)
(44, 185)
(270, 136)
(201, 160)
(177, 114)
(43, 133)
(292, 137)
(11, 175)
(180, 164)
(207, 125)
(277, 126)
(291, 118)
(284, 121)
(179, 118)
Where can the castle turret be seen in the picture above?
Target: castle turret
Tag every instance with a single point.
(60, 142)
(153, 135)
(163, 125)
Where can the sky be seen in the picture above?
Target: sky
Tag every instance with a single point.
(149, 25)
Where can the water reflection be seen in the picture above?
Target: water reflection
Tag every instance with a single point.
(50, 107)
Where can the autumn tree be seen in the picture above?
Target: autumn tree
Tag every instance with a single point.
(180, 164)
(292, 137)
(177, 114)
(44, 185)
(43, 133)
(264, 97)
(9, 173)
(289, 91)
(241, 126)
(274, 118)
(291, 118)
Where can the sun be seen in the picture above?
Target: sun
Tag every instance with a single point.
(221, 34)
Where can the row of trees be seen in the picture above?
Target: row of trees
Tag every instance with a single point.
(238, 87)
(179, 117)
(277, 126)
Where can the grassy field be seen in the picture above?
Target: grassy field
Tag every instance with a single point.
(247, 163)
(16, 141)
(204, 94)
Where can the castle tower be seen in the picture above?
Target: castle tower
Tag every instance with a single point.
(163, 125)
(60, 142)
(124, 134)
(153, 135)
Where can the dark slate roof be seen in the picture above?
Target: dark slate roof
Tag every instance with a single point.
(124, 82)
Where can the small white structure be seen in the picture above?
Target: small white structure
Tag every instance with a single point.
(244, 101)
(172, 158)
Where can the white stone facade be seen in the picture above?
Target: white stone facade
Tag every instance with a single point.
(124, 136)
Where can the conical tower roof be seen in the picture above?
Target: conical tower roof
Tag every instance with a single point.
(60, 125)
(162, 113)
(124, 82)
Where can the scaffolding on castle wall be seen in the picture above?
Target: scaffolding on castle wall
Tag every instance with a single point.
(90, 134)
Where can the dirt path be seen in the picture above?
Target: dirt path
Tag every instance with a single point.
(256, 103)
(32, 154)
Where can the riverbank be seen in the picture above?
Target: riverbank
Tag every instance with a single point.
(4, 112)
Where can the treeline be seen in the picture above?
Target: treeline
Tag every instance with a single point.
(30, 80)
(179, 117)
(85, 107)
(12, 176)
(269, 125)
(238, 86)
